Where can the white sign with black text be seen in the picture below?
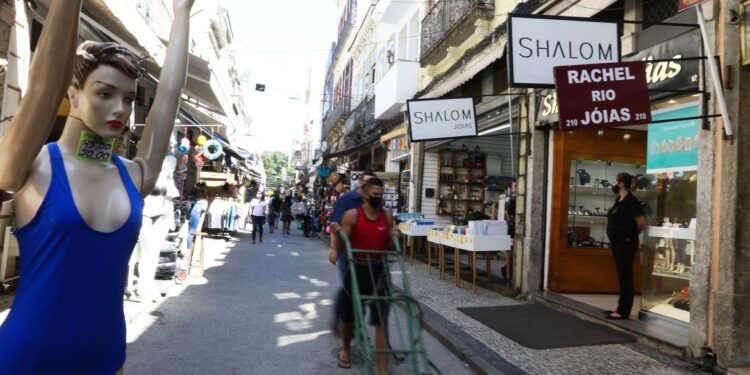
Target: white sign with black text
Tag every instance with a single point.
(540, 43)
(431, 119)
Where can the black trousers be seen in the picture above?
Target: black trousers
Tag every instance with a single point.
(258, 222)
(624, 253)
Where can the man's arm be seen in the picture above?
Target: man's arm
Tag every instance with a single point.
(391, 233)
(347, 227)
(334, 222)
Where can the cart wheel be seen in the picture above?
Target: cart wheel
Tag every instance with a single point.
(181, 275)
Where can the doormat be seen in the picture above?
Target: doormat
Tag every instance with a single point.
(538, 327)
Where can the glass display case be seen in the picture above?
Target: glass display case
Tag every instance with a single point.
(591, 196)
(669, 246)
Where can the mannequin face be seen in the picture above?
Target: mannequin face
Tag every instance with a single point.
(105, 102)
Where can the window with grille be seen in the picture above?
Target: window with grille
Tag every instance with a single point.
(656, 11)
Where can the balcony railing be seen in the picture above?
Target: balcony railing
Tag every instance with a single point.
(339, 113)
(445, 16)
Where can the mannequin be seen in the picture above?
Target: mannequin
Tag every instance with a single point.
(158, 219)
(79, 214)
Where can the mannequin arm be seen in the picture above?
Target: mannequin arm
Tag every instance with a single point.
(160, 121)
(49, 78)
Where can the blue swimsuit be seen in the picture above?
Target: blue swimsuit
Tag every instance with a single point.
(67, 316)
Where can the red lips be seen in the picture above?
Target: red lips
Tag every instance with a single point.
(114, 124)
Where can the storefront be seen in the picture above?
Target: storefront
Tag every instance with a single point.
(663, 156)
(468, 178)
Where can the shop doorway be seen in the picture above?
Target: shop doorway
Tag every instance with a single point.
(663, 157)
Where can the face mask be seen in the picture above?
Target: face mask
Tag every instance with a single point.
(616, 189)
(375, 202)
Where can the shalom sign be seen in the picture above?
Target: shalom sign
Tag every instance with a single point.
(602, 95)
(538, 43)
(431, 119)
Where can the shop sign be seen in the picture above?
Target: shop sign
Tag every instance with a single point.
(661, 76)
(301, 168)
(602, 95)
(672, 146)
(539, 43)
(431, 119)
(677, 74)
(685, 4)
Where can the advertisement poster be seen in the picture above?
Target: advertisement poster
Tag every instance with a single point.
(672, 145)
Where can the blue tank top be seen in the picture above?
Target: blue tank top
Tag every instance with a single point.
(67, 316)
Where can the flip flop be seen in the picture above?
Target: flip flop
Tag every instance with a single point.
(344, 364)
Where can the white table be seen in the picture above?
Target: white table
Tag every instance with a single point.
(472, 244)
(413, 231)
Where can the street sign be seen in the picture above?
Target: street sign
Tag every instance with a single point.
(431, 119)
(685, 4)
(537, 43)
(301, 168)
(602, 95)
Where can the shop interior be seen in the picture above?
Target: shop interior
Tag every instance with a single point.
(663, 157)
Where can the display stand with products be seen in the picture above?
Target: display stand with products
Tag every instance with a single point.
(486, 237)
(413, 228)
(461, 183)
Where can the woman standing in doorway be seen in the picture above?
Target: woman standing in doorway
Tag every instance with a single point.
(78, 205)
(625, 220)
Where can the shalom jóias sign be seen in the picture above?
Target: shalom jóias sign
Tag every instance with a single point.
(602, 95)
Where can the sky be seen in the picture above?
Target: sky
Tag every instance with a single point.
(277, 43)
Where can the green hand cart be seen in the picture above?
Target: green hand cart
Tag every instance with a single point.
(410, 349)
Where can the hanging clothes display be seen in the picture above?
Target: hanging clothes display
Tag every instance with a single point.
(223, 214)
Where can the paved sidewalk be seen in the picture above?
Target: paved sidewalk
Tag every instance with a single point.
(494, 353)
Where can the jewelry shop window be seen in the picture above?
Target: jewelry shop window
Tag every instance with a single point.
(591, 196)
(669, 243)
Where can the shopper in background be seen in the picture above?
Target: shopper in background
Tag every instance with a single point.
(625, 220)
(275, 210)
(258, 209)
(199, 208)
(286, 212)
(368, 227)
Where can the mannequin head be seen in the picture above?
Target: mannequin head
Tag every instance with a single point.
(103, 88)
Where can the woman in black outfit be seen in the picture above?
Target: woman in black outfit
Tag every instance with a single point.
(286, 212)
(625, 220)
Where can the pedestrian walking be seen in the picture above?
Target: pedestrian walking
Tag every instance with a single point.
(625, 220)
(286, 212)
(368, 227)
(346, 202)
(258, 209)
(274, 210)
(78, 205)
(196, 212)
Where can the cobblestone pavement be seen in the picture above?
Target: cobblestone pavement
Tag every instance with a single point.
(442, 298)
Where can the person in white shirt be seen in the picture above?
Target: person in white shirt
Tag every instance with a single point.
(258, 207)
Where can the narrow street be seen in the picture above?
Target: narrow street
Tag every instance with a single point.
(262, 309)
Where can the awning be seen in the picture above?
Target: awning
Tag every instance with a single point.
(198, 84)
(205, 123)
(349, 150)
(233, 151)
(393, 134)
(470, 69)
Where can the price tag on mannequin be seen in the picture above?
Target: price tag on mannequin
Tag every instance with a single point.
(92, 147)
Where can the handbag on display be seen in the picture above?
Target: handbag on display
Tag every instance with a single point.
(643, 181)
(583, 177)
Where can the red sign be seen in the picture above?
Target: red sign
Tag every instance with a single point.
(602, 95)
(684, 4)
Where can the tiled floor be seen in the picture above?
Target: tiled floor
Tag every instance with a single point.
(442, 297)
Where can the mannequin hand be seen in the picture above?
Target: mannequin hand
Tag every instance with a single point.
(182, 5)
